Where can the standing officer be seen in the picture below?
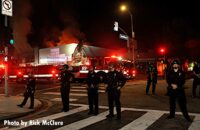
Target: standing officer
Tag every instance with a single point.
(196, 80)
(66, 77)
(176, 80)
(151, 78)
(115, 81)
(30, 90)
(93, 81)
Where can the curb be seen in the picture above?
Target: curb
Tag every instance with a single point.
(18, 115)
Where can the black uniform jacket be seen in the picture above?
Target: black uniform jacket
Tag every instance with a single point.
(177, 78)
(93, 79)
(30, 86)
(115, 79)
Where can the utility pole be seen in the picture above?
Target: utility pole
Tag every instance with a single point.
(7, 10)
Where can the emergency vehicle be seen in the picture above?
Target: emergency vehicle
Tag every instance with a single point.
(79, 57)
(48, 72)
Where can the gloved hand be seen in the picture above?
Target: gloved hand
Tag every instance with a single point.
(174, 86)
(118, 88)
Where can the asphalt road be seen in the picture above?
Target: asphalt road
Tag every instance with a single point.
(139, 111)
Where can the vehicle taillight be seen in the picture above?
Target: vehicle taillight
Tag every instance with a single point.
(134, 73)
(125, 72)
(19, 73)
(2, 66)
(53, 71)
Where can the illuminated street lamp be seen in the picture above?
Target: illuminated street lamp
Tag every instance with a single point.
(124, 8)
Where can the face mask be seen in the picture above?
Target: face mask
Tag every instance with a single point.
(175, 70)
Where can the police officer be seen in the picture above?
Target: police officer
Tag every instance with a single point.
(115, 81)
(93, 81)
(151, 78)
(176, 80)
(30, 90)
(66, 77)
(196, 80)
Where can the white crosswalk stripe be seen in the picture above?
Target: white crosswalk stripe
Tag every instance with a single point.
(141, 123)
(71, 94)
(59, 99)
(86, 122)
(54, 116)
(196, 123)
(79, 91)
(144, 121)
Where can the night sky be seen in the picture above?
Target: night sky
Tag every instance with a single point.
(173, 24)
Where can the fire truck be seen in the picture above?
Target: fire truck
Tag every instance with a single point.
(84, 57)
(49, 72)
(79, 57)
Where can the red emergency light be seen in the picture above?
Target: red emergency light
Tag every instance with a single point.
(19, 73)
(53, 71)
(162, 50)
(2, 66)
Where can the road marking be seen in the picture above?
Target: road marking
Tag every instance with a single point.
(195, 124)
(144, 121)
(59, 99)
(141, 123)
(47, 89)
(71, 94)
(78, 94)
(78, 87)
(52, 93)
(137, 109)
(85, 122)
(54, 116)
(77, 90)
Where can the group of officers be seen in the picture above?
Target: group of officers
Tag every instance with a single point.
(115, 80)
(175, 78)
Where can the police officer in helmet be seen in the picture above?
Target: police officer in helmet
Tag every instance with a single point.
(93, 81)
(176, 80)
(30, 90)
(115, 80)
(66, 77)
(151, 78)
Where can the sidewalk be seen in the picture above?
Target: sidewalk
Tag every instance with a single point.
(9, 108)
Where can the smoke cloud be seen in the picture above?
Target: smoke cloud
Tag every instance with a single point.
(21, 26)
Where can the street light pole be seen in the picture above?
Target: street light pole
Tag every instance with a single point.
(6, 65)
(132, 37)
(124, 8)
(128, 41)
(132, 33)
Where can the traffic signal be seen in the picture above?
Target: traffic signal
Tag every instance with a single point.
(116, 26)
(11, 39)
(162, 50)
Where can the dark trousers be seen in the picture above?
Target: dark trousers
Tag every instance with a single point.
(180, 96)
(149, 82)
(196, 82)
(65, 97)
(114, 96)
(26, 96)
(93, 100)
